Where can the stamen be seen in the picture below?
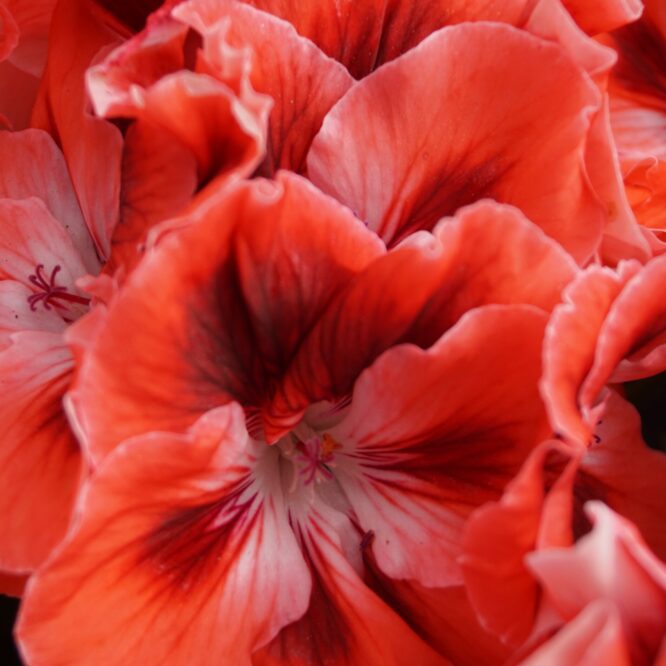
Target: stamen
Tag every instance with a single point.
(50, 292)
(316, 457)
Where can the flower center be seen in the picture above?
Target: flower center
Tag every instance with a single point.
(51, 294)
(312, 456)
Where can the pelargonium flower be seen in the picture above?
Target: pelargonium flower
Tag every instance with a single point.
(362, 444)
(610, 329)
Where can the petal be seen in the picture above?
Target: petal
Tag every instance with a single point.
(570, 343)
(625, 473)
(92, 146)
(205, 115)
(158, 180)
(301, 81)
(596, 16)
(420, 465)
(346, 623)
(613, 564)
(40, 463)
(213, 111)
(227, 301)
(363, 37)
(550, 20)
(499, 535)
(594, 637)
(417, 291)
(634, 330)
(18, 91)
(645, 182)
(622, 236)
(174, 549)
(32, 166)
(32, 20)
(411, 165)
(17, 315)
(31, 236)
(443, 617)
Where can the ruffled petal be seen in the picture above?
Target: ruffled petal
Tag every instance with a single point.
(417, 291)
(622, 237)
(428, 447)
(40, 462)
(158, 181)
(174, 549)
(227, 302)
(301, 81)
(632, 341)
(401, 166)
(570, 344)
(212, 109)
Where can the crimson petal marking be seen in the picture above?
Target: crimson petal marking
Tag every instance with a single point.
(346, 623)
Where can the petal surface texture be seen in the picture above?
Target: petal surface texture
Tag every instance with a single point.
(492, 126)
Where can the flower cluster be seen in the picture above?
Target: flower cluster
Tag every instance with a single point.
(319, 324)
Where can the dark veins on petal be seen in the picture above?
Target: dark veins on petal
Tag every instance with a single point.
(186, 546)
(450, 189)
(321, 636)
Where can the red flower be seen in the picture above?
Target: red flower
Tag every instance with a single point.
(360, 367)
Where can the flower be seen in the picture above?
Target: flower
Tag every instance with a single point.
(336, 461)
